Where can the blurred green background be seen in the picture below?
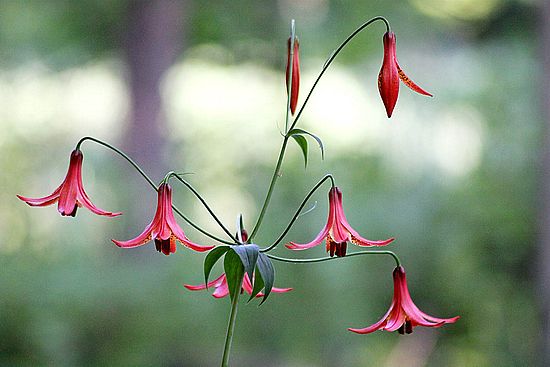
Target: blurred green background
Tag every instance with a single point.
(198, 86)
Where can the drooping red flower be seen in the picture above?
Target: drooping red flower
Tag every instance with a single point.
(222, 289)
(295, 73)
(390, 73)
(163, 229)
(70, 195)
(403, 314)
(337, 231)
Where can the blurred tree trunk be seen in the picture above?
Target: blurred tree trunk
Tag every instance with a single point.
(154, 40)
(543, 273)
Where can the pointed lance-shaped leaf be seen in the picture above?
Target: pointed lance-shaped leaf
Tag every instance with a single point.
(258, 284)
(234, 272)
(302, 142)
(248, 254)
(297, 131)
(266, 270)
(212, 258)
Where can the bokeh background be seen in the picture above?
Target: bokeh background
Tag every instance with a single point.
(198, 87)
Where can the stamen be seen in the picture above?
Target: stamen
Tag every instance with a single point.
(401, 329)
(408, 327)
(73, 213)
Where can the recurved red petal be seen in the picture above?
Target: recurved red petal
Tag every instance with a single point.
(222, 290)
(44, 201)
(324, 232)
(409, 83)
(140, 240)
(216, 282)
(376, 326)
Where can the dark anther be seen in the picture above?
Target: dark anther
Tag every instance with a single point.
(73, 213)
(163, 246)
(408, 327)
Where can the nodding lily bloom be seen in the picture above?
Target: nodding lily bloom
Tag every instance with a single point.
(403, 314)
(70, 195)
(295, 73)
(337, 231)
(222, 290)
(390, 73)
(163, 229)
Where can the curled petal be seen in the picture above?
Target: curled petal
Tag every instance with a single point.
(216, 282)
(140, 240)
(303, 246)
(355, 237)
(409, 83)
(44, 201)
(322, 235)
(360, 241)
(222, 290)
(85, 200)
(376, 326)
(94, 209)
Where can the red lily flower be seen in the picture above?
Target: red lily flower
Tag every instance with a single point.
(337, 231)
(295, 73)
(222, 290)
(390, 73)
(70, 195)
(403, 314)
(163, 228)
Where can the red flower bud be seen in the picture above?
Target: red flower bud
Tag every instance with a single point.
(295, 73)
(390, 73)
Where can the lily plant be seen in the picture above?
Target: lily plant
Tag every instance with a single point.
(248, 267)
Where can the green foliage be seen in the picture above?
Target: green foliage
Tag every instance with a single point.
(248, 253)
(298, 135)
(212, 258)
(234, 272)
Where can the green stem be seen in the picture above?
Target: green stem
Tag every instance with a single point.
(276, 173)
(274, 178)
(192, 189)
(297, 213)
(150, 181)
(321, 259)
(231, 327)
(331, 59)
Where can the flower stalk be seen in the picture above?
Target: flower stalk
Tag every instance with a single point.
(298, 211)
(151, 183)
(322, 259)
(231, 328)
(277, 170)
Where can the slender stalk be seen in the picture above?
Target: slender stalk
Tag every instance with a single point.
(192, 189)
(276, 173)
(122, 154)
(150, 181)
(297, 213)
(274, 178)
(333, 56)
(231, 327)
(321, 259)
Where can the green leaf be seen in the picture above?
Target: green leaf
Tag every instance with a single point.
(234, 272)
(302, 142)
(299, 132)
(211, 259)
(249, 255)
(266, 270)
(258, 284)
